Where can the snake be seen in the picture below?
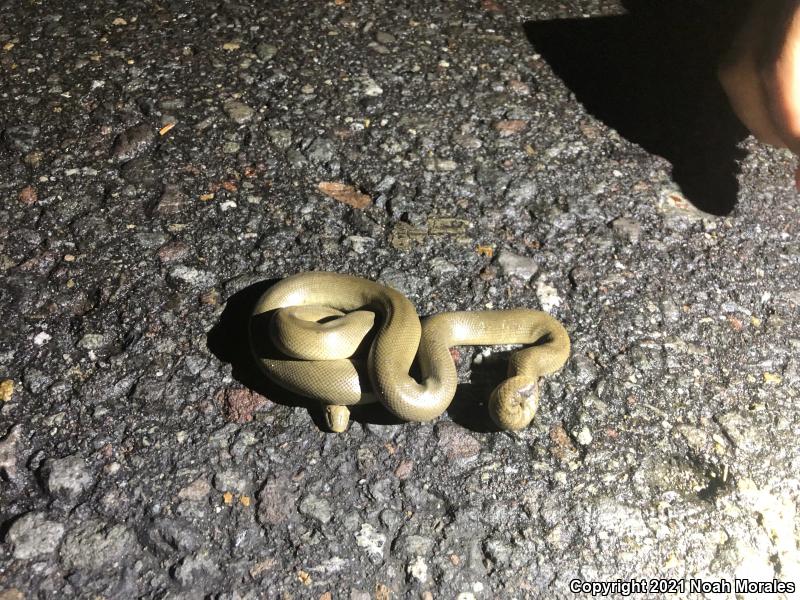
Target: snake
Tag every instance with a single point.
(309, 331)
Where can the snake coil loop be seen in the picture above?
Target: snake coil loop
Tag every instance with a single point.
(307, 331)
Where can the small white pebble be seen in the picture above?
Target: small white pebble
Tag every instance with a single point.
(42, 338)
(418, 570)
(548, 296)
(584, 437)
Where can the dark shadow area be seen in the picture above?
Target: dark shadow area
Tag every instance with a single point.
(470, 406)
(651, 75)
(229, 341)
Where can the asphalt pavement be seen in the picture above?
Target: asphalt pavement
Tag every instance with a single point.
(161, 163)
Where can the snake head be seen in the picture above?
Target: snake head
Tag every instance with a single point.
(337, 417)
(513, 403)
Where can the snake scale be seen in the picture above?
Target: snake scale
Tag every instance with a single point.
(307, 331)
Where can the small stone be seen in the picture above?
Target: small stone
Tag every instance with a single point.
(8, 452)
(507, 128)
(522, 190)
(166, 535)
(404, 469)
(418, 570)
(196, 571)
(321, 151)
(675, 205)
(498, 551)
(266, 51)
(281, 138)
(33, 535)
(488, 273)
(36, 380)
(68, 476)
(467, 141)
(239, 405)
(441, 164)
(381, 430)
(140, 172)
(737, 427)
(183, 275)
(96, 546)
(518, 87)
(548, 296)
(456, 442)
(400, 280)
(561, 446)
(360, 244)
(516, 265)
(21, 138)
(33, 159)
(296, 158)
(584, 436)
(316, 508)
(584, 368)
(172, 200)
(276, 502)
(15, 594)
(28, 195)
(383, 37)
(440, 266)
(197, 491)
(491, 6)
(347, 194)
(42, 338)
(231, 481)
(371, 540)
(93, 341)
(133, 142)
(150, 239)
(173, 252)
(371, 88)
(6, 390)
(261, 567)
(211, 298)
(238, 112)
(697, 439)
(390, 518)
(627, 229)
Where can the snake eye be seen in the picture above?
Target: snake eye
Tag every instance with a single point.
(513, 403)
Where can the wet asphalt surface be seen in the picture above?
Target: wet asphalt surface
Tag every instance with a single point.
(160, 161)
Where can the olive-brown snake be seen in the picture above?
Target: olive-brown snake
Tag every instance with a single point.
(317, 321)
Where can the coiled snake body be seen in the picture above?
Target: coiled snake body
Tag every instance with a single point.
(318, 321)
